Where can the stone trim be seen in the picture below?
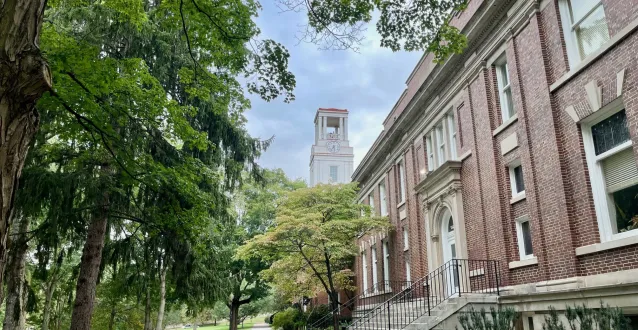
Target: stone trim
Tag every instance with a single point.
(620, 36)
(523, 263)
(612, 244)
(506, 124)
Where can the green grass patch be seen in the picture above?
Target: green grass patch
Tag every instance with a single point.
(248, 324)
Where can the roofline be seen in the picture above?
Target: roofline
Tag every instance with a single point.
(335, 110)
(421, 94)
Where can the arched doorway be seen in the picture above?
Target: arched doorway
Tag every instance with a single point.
(448, 242)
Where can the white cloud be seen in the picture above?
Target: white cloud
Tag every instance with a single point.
(367, 83)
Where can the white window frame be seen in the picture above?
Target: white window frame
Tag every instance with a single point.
(604, 213)
(430, 145)
(375, 275)
(451, 128)
(364, 268)
(401, 168)
(371, 201)
(511, 166)
(406, 239)
(408, 276)
(440, 149)
(502, 70)
(386, 265)
(336, 177)
(383, 198)
(569, 30)
(519, 235)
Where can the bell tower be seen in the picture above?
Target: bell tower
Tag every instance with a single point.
(331, 156)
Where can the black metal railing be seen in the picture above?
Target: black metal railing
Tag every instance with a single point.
(364, 301)
(453, 279)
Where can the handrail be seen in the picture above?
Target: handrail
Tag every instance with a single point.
(452, 279)
(371, 296)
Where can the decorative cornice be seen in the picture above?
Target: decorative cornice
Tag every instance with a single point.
(414, 115)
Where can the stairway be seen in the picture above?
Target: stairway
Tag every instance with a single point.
(435, 297)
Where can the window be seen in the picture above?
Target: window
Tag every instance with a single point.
(530, 323)
(451, 128)
(440, 140)
(408, 277)
(382, 199)
(430, 151)
(516, 179)
(374, 269)
(364, 264)
(334, 173)
(371, 202)
(386, 265)
(406, 241)
(401, 182)
(584, 27)
(614, 175)
(524, 237)
(504, 89)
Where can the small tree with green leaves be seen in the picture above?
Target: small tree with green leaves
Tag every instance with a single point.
(313, 242)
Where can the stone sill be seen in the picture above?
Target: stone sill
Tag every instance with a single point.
(523, 263)
(518, 198)
(613, 244)
(620, 36)
(400, 204)
(506, 124)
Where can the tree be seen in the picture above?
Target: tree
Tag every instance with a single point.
(313, 241)
(256, 204)
(414, 25)
(204, 43)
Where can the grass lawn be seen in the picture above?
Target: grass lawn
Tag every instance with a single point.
(248, 323)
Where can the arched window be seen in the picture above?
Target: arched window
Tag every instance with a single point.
(450, 224)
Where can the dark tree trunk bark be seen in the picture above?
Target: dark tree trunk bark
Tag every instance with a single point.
(234, 314)
(15, 312)
(112, 317)
(90, 267)
(24, 76)
(148, 323)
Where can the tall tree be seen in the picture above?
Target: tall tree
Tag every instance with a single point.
(255, 204)
(314, 239)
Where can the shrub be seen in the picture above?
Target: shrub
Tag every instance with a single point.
(289, 319)
(317, 314)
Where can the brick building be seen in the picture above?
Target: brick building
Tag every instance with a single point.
(522, 150)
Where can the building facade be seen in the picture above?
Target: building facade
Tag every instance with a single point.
(331, 156)
(522, 150)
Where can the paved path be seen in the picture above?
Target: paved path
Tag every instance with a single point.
(262, 326)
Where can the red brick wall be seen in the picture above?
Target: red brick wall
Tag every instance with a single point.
(559, 200)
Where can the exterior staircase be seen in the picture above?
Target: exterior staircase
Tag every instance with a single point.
(432, 299)
(361, 304)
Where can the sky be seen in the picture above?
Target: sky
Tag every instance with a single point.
(367, 83)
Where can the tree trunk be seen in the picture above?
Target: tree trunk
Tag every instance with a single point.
(162, 304)
(90, 267)
(24, 76)
(334, 305)
(112, 317)
(148, 323)
(48, 300)
(195, 323)
(234, 314)
(15, 313)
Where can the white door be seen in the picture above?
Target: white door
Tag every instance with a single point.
(450, 272)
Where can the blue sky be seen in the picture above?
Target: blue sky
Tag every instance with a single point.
(367, 83)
